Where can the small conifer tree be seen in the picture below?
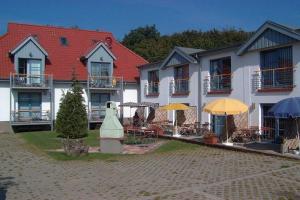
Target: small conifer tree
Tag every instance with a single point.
(71, 121)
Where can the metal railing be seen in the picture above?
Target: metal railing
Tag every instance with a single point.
(31, 80)
(218, 83)
(180, 86)
(111, 82)
(152, 88)
(28, 116)
(274, 78)
(97, 115)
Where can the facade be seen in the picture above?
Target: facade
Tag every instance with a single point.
(172, 80)
(36, 67)
(259, 73)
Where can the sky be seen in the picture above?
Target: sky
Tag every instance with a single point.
(169, 16)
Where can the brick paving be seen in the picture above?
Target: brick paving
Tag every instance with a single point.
(204, 173)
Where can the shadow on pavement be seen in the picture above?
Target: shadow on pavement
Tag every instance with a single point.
(5, 183)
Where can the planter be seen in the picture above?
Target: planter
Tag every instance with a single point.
(211, 140)
(75, 147)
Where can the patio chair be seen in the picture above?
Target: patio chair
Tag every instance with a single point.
(289, 144)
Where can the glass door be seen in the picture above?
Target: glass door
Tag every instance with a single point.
(34, 69)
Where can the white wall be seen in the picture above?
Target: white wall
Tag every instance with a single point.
(4, 102)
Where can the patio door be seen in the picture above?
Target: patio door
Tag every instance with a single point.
(34, 70)
(29, 106)
(218, 124)
(98, 105)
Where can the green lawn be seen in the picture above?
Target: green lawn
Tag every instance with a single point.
(47, 140)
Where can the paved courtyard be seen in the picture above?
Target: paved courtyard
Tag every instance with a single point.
(205, 173)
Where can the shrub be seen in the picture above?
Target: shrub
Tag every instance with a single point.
(71, 119)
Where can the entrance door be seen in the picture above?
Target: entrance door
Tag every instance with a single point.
(98, 105)
(218, 124)
(34, 69)
(29, 106)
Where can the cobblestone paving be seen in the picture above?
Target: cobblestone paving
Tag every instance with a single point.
(205, 173)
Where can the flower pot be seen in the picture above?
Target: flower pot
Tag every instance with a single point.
(211, 140)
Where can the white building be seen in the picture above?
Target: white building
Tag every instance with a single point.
(259, 73)
(36, 67)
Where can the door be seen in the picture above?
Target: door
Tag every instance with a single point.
(218, 124)
(98, 105)
(29, 106)
(34, 69)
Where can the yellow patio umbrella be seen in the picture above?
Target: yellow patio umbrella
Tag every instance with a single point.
(226, 106)
(175, 106)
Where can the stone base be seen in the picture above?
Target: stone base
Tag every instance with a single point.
(111, 145)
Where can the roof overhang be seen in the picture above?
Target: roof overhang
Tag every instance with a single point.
(268, 25)
(99, 45)
(22, 44)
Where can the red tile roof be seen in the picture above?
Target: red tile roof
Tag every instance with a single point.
(62, 59)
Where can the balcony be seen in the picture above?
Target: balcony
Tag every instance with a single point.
(179, 87)
(105, 82)
(218, 84)
(274, 80)
(152, 89)
(31, 81)
(28, 117)
(97, 115)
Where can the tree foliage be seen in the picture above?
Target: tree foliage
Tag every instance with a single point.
(147, 41)
(71, 119)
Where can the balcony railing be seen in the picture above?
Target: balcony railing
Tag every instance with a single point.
(31, 80)
(105, 82)
(276, 78)
(97, 115)
(220, 83)
(30, 116)
(179, 86)
(152, 88)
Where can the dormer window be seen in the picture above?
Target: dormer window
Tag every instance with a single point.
(64, 41)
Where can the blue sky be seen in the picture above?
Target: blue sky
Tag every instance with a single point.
(170, 16)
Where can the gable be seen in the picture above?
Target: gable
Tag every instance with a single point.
(29, 43)
(29, 50)
(270, 34)
(270, 38)
(176, 59)
(100, 55)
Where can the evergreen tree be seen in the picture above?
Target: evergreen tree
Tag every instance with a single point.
(71, 119)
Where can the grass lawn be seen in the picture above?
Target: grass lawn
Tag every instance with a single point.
(48, 140)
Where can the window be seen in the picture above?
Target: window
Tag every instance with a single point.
(100, 69)
(277, 68)
(220, 74)
(64, 41)
(98, 105)
(29, 105)
(153, 82)
(181, 79)
(100, 75)
(269, 122)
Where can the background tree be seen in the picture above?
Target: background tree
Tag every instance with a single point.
(147, 41)
(71, 119)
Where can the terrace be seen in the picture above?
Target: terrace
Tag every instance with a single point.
(31, 81)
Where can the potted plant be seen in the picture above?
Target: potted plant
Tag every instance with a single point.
(210, 138)
(71, 122)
